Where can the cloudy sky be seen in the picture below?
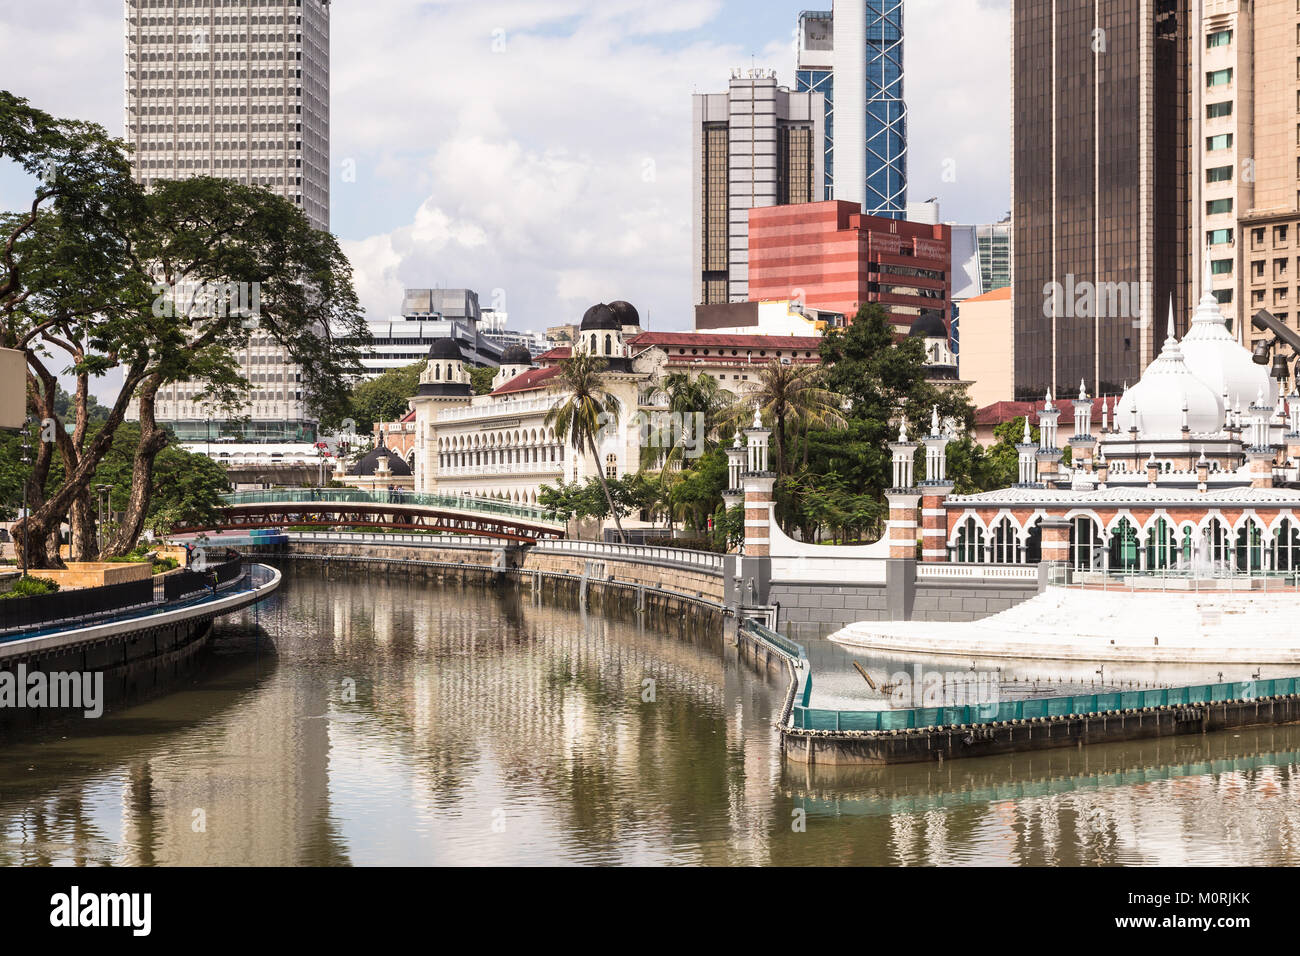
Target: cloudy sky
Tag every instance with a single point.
(538, 151)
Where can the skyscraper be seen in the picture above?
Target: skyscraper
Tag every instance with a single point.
(1100, 187)
(853, 55)
(237, 89)
(756, 145)
(1246, 158)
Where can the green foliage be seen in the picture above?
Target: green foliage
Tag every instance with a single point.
(697, 492)
(480, 380)
(686, 544)
(30, 587)
(384, 398)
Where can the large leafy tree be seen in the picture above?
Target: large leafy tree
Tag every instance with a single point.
(69, 298)
(97, 274)
(384, 398)
(582, 412)
(882, 378)
(204, 238)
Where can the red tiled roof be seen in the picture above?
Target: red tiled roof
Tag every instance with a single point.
(713, 340)
(532, 379)
(1000, 412)
(555, 355)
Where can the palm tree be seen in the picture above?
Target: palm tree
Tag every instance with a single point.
(684, 395)
(577, 418)
(793, 394)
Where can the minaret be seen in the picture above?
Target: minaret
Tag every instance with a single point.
(935, 488)
(1028, 453)
(735, 491)
(758, 483)
(1082, 441)
(903, 497)
(1049, 456)
(1260, 456)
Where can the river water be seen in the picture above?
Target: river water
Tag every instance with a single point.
(386, 721)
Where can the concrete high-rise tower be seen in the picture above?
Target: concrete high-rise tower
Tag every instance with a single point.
(756, 145)
(853, 55)
(237, 89)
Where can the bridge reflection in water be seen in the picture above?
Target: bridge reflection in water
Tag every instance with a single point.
(396, 722)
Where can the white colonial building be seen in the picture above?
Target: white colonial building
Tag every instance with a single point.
(500, 445)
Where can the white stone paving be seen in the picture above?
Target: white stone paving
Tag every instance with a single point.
(1081, 624)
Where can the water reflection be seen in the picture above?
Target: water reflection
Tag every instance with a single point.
(391, 721)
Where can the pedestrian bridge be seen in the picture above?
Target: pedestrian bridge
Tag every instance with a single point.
(396, 510)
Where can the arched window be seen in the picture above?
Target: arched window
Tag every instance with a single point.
(1085, 544)
(609, 345)
(969, 548)
(1286, 545)
(1161, 545)
(1006, 542)
(1033, 553)
(1250, 547)
(1124, 546)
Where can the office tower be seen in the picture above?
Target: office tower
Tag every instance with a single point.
(815, 73)
(853, 55)
(1246, 158)
(237, 89)
(756, 145)
(834, 258)
(1100, 187)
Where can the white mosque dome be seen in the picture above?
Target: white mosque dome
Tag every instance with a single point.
(1214, 356)
(1165, 389)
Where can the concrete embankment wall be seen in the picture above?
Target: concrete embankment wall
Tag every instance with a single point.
(815, 610)
(683, 600)
(135, 666)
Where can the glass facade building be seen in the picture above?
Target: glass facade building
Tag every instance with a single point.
(853, 53)
(1100, 188)
(886, 113)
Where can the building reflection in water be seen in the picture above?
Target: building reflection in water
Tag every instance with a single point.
(392, 721)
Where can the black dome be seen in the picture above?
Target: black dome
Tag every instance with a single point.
(516, 355)
(445, 349)
(626, 313)
(600, 316)
(929, 325)
(368, 465)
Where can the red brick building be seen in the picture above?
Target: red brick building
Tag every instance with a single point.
(831, 257)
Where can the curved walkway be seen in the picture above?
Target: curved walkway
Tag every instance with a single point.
(249, 588)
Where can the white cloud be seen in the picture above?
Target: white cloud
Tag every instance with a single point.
(542, 147)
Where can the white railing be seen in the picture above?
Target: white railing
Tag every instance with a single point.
(1001, 572)
(379, 537)
(499, 409)
(701, 559)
